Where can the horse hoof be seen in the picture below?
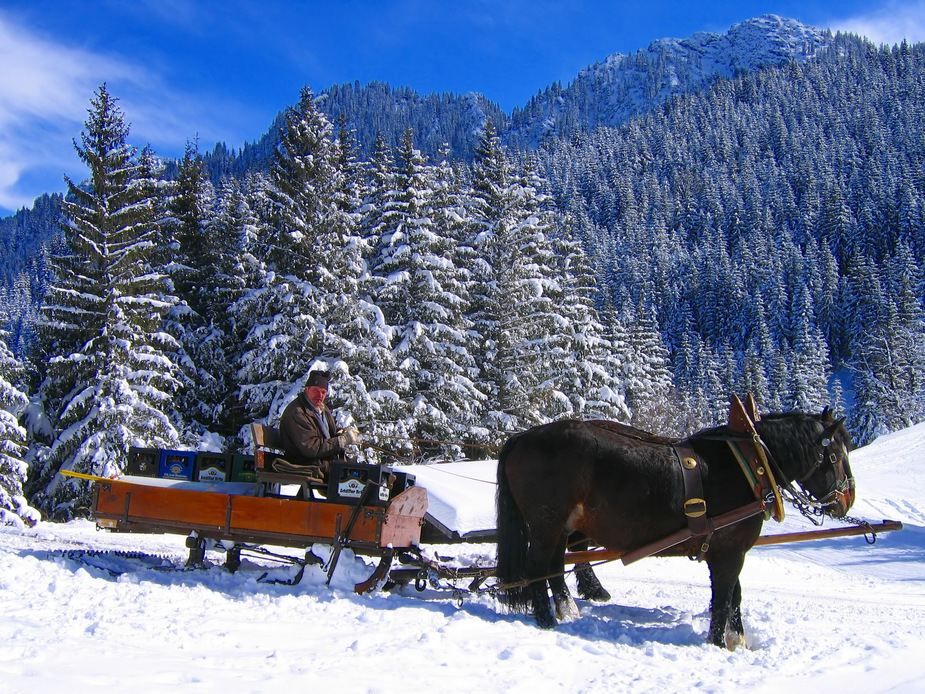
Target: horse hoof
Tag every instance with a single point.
(567, 610)
(546, 622)
(733, 641)
(597, 595)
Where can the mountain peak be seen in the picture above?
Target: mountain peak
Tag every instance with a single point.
(623, 86)
(749, 45)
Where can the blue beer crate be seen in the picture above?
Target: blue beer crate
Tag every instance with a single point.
(177, 465)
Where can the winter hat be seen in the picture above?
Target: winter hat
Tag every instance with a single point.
(317, 378)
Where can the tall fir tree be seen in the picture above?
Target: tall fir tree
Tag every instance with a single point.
(214, 349)
(279, 319)
(497, 297)
(357, 339)
(579, 361)
(526, 343)
(191, 265)
(110, 380)
(644, 374)
(423, 295)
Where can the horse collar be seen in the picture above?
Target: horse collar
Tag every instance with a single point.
(753, 456)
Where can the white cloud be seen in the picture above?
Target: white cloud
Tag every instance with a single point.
(888, 24)
(46, 87)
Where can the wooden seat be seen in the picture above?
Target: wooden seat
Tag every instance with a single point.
(268, 446)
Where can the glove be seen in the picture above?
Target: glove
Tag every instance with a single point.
(347, 437)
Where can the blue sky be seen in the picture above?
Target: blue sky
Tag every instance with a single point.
(220, 71)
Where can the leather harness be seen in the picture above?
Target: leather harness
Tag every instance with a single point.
(752, 457)
(749, 452)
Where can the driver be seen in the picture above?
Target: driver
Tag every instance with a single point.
(307, 429)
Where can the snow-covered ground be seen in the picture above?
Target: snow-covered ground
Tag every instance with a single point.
(834, 615)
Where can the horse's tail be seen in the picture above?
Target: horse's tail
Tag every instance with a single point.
(512, 539)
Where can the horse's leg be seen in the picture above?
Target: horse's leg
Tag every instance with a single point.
(589, 587)
(725, 605)
(566, 608)
(542, 549)
(735, 634)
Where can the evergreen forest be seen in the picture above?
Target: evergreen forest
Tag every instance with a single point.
(763, 234)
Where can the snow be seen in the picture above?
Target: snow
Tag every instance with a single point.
(460, 496)
(835, 615)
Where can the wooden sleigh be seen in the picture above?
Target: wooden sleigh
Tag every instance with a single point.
(373, 514)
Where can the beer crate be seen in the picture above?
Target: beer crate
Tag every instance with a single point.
(213, 467)
(346, 482)
(177, 465)
(143, 462)
(243, 468)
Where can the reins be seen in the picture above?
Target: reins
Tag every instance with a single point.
(412, 458)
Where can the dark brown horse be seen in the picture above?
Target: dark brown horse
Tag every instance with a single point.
(624, 489)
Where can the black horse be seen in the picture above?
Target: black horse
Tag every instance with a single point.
(624, 489)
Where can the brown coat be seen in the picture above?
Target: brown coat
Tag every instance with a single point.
(303, 440)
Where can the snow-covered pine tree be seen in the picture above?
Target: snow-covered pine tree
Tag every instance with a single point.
(887, 354)
(809, 362)
(391, 388)
(905, 279)
(230, 224)
(584, 366)
(465, 397)
(14, 509)
(109, 379)
(645, 373)
(280, 318)
(20, 307)
(191, 266)
(357, 340)
(759, 352)
(496, 296)
(524, 345)
(422, 293)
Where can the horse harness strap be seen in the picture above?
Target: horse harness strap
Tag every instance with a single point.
(750, 453)
(695, 506)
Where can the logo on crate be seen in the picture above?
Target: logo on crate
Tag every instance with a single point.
(211, 474)
(351, 487)
(213, 467)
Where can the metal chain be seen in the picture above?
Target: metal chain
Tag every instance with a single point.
(815, 512)
(861, 523)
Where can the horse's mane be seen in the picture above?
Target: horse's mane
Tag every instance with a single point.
(794, 435)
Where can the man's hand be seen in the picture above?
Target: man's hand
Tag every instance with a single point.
(347, 437)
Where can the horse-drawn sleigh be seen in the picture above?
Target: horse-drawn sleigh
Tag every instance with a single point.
(560, 487)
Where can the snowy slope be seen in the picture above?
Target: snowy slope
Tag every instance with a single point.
(833, 615)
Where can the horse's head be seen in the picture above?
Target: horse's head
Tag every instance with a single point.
(833, 472)
(812, 450)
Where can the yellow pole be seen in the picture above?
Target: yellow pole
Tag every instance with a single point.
(83, 476)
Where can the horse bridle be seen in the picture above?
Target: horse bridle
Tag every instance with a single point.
(801, 498)
(804, 500)
(843, 483)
